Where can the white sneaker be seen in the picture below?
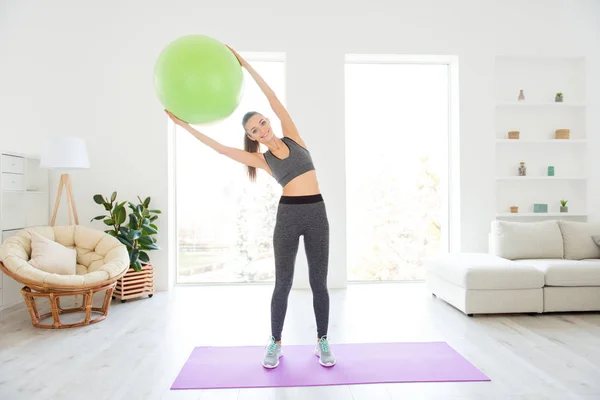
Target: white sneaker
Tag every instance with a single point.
(323, 351)
(272, 354)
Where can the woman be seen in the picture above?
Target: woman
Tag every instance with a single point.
(301, 212)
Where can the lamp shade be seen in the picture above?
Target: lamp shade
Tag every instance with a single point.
(64, 153)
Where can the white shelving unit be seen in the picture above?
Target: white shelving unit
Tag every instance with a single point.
(541, 178)
(537, 117)
(24, 202)
(558, 142)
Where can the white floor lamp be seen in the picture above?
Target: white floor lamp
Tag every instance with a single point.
(64, 153)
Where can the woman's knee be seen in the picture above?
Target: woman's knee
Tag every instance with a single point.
(318, 286)
(283, 287)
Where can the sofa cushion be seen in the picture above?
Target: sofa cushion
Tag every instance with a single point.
(50, 256)
(578, 241)
(484, 271)
(526, 240)
(567, 272)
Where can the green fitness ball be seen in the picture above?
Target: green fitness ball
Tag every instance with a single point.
(198, 79)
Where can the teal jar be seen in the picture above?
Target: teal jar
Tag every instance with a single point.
(551, 170)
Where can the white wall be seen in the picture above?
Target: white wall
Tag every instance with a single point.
(85, 68)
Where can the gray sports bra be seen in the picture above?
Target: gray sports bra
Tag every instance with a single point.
(298, 162)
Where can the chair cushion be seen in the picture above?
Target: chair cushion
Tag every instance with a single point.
(578, 239)
(568, 272)
(484, 271)
(99, 256)
(51, 256)
(526, 240)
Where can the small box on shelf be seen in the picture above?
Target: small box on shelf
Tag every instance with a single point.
(562, 134)
(513, 134)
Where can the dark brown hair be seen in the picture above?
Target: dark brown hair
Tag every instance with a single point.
(250, 145)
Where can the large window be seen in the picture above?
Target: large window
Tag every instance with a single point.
(225, 222)
(397, 130)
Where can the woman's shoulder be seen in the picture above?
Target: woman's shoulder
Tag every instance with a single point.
(298, 142)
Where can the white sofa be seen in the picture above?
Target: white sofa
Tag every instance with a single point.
(531, 267)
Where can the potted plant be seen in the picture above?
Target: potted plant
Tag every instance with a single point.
(559, 97)
(563, 206)
(138, 237)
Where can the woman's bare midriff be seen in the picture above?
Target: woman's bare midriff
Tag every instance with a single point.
(303, 185)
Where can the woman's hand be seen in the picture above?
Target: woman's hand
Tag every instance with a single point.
(243, 62)
(176, 120)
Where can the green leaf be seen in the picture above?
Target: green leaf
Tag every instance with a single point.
(133, 256)
(154, 226)
(153, 218)
(137, 266)
(134, 234)
(125, 241)
(98, 218)
(113, 197)
(148, 230)
(144, 203)
(145, 240)
(133, 221)
(111, 232)
(109, 222)
(149, 247)
(98, 199)
(121, 215)
(144, 257)
(155, 211)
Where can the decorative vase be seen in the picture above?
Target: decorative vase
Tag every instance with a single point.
(514, 209)
(513, 134)
(521, 95)
(564, 209)
(551, 170)
(522, 169)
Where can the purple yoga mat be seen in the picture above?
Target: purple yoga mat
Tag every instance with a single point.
(240, 367)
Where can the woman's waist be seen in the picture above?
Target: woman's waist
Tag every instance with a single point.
(301, 199)
(303, 185)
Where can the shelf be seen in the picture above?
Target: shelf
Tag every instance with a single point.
(541, 141)
(539, 104)
(23, 191)
(540, 178)
(547, 214)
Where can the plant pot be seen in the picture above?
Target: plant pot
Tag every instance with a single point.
(564, 209)
(558, 99)
(135, 284)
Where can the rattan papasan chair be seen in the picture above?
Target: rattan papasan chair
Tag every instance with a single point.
(56, 261)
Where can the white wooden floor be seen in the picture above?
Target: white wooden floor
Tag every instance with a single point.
(138, 351)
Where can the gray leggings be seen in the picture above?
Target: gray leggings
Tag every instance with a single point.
(301, 216)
